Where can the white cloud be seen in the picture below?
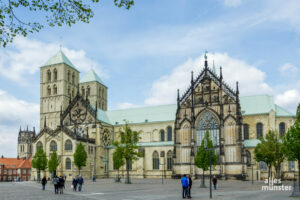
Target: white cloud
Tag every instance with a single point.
(232, 3)
(289, 69)
(289, 99)
(251, 79)
(13, 113)
(26, 56)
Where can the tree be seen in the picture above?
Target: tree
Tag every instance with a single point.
(128, 147)
(53, 163)
(270, 151)
(118, 161)
(80, 156)
(39, 162)
(279, 155)
(291, 141)
(51, 12)
(202, 158)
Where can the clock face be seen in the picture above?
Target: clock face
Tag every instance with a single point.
(106, 138)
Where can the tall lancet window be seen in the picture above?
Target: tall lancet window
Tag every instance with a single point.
(208, 122)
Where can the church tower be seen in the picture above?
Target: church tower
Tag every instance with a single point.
(25, 141)
(59, 82)
(91, 86)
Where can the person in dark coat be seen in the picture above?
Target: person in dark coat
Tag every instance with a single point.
(185, 186)
(74, 183)
(56, 184)
(190, 185)
(44, 182)
(215, 181)
(80, 183)
(61, 185)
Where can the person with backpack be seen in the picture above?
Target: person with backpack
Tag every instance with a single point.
(56, 184)
(61, 184)
(185, 186)
(190, 185)
(44, 182)
(74, 184)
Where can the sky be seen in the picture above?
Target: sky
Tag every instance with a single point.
(144, 54)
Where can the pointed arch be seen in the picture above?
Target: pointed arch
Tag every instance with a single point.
(230, 130)
(55, 74)
(155, 160)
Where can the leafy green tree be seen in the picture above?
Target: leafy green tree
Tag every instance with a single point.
(51, 13)
(39, 162)
(128, 147)
(291, 141)
(267, 149)
(202, 157)
(279, 154)
(53, 163)
(118, 161)
(80, 156)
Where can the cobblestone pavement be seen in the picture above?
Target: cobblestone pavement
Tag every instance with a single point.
(147, 189)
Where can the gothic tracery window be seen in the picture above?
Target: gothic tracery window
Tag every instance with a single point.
(39, 145)
(155, 158)
(259, 130)
(53, 146)
(208, 122)
(169, 160)
(68, 145)
(68, 164)
(282, 129)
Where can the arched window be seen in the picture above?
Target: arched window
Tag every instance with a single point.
(69, 74)
(162, 135)
(282, 128)
(39, 145)
(68, 163)
(53, 146)
(73, 78)
(169, 129)
(88, 91)
(68, 145)
(246, 131)
(54, 89)
(103, 93)
(208, 122)
(169, 160)
(259, 130)
(55, 75)
(248, 156)
(83, 91)
(155, 159)
(263, 165)
(49, 75)
(69, 91)
(49, 90)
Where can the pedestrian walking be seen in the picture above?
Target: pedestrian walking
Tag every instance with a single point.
(61, 184)
(74, 184)
(94, 178)
(80, 183)
(44, 182)
(185, 185)
(190, 185)
(215, 181)
(56, 184)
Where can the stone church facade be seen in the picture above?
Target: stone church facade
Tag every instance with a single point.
(74, 111)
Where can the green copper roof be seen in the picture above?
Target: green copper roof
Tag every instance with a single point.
(59, 58)
(251, 143)
(91, 76)
(251, 105)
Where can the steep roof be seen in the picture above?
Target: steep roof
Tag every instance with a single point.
(15, 163)
(91, 76)
(250, 105)
(59, 58)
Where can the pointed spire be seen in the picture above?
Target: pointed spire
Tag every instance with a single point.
(221, 74)
(27, 129)
(178, 98)
(20, 129)
(192, 77)
(214, 67)
(45, 123)
(237, 88)
(34, 130)
(205, 62)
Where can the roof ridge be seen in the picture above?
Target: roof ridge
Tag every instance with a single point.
(140, 107)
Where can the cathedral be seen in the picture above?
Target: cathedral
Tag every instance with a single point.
(74, 110)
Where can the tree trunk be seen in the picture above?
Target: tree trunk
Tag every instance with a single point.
(127, 169)
(299, 169)
(39, 175)
(203, 180)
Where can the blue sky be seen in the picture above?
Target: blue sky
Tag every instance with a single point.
(144, 54)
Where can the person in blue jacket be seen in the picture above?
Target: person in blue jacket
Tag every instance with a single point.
(185, 187)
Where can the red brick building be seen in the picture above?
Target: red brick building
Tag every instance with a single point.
(15, 168)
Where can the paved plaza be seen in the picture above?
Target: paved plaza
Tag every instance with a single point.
(147, 189)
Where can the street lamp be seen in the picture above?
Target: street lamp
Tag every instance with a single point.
(209, 150)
